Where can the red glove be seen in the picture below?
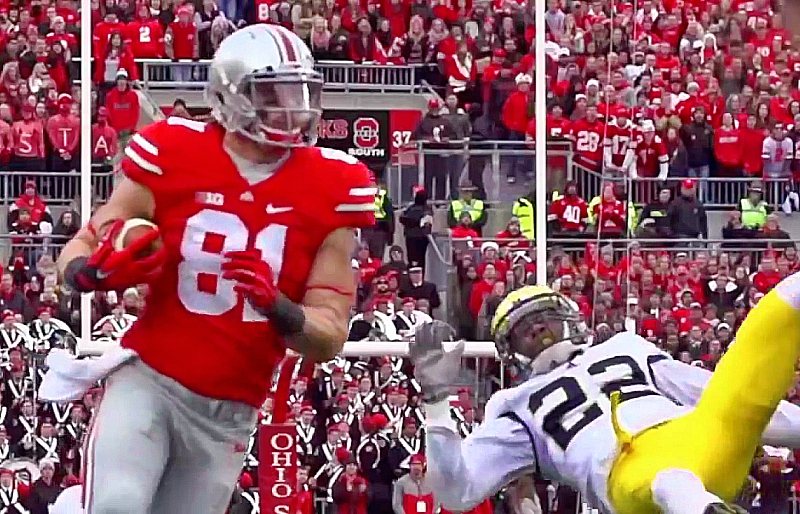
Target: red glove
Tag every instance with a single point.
(110, 270)
(255, 281)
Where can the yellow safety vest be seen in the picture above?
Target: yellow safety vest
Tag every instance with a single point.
(474, 208)
(753, 216)
(523, 209)
(380, 212)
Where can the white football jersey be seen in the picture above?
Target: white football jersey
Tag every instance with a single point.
(559, 423)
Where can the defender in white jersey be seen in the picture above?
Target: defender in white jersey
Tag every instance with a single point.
(622, 422)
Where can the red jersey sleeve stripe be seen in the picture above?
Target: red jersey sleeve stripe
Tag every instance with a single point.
(363, 191)
(145, 145)
(355, 207)
(141, 162)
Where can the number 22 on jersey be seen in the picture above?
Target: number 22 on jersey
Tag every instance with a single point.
(566, 398)
(208, 236)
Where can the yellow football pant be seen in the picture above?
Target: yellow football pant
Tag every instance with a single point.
(718, 439)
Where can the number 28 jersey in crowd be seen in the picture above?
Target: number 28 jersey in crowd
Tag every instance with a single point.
(196, 329)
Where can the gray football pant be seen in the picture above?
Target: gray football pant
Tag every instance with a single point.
(158, 448)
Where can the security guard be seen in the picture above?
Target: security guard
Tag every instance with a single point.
(753, 207)
(523, 210)
(466, 202)
(380, 235)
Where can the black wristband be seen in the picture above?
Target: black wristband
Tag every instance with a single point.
(287, 317)
(75, 275)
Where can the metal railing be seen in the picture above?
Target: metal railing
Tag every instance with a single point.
(54, 187)
(338, 75)
(31, 247)
(459, 159)
(462, 159)
(717, 191)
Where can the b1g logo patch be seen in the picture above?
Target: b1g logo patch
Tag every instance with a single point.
(366, 133)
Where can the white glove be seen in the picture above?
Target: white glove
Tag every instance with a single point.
(434, 368)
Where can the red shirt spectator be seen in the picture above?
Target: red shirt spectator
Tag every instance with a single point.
(63, 129)
(146, 35)
(569, 213)
(102, 33)
(588, 133)
(117, 57)
(28, 135)
(727, 147)
(362, 43)
(60, 35)
(512, 237)
(768, 276)
(515, 110)
(123, 105)
(104, 138)
(651, 153)
(398, 13)
(6, 142)
(183, 36)
(30, 200)
(461, 70)
(751, 140)
(609, 214)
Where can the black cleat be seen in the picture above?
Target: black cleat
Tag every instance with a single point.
(724, 508)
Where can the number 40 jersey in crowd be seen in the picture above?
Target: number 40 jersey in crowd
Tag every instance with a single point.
(560, 423)
(196, 328)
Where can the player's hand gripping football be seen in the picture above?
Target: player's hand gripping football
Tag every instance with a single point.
(108, 269)
(435, 368)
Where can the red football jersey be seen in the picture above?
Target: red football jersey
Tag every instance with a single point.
(570, 212)
(262, 11)
(147, 39)
(651, 158)
(620, 145)
(588, 139)
(196, 328)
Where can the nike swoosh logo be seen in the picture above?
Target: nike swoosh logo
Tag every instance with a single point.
(271, 209)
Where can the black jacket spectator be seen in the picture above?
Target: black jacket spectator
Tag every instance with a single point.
(687, 217)
(698, 138)
(654, 220)
(43, 495)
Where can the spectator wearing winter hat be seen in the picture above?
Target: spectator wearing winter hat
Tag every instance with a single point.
(30, 199)
(412, 494)
(687, 215)
(45, 490)
(104, 141)
(63, 132)
(181, 41)
(515, 115)
(350, 491)
(123, 107)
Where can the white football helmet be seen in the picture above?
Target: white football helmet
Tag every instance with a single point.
(262, 84)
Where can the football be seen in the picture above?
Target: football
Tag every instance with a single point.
(132, 230)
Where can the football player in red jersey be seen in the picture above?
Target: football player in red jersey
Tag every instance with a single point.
(258, 228)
